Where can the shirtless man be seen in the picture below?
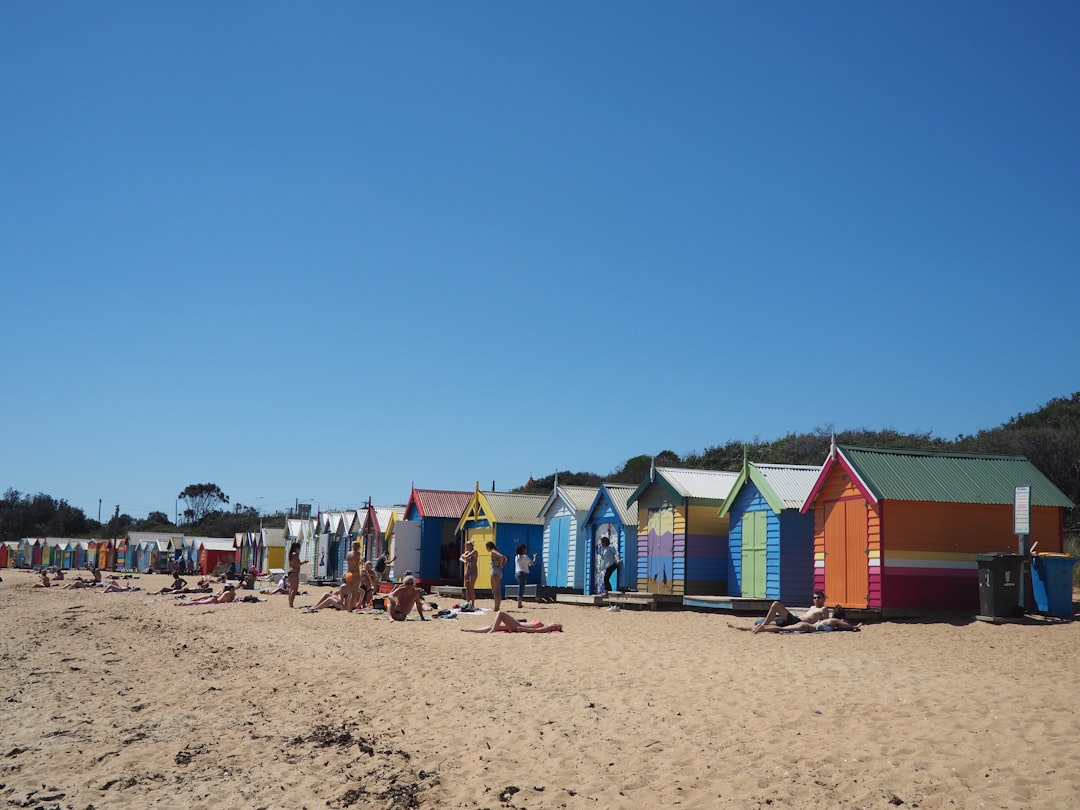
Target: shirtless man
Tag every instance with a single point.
(780, 618)
(178, 585)
(403, 599)
(352, 576)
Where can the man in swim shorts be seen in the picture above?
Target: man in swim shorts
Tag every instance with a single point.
(403, 599)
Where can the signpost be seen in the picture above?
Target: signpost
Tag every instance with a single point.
(1022, 529)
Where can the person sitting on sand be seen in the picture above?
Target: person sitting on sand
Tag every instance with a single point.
(338, 599)
(780, 618)
(96, 573)
(178, 585)
(44, 583)
(222, 597)
(505, 623)
(403, 599)
(281, 587)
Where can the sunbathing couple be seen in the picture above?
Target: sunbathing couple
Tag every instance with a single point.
(815, 619)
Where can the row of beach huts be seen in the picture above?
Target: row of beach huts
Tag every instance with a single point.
(877, 529)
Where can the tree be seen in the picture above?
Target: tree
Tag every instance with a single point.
(201, 500)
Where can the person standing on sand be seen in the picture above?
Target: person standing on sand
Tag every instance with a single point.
(498, 560)
(294, 571)
(609, 562)
(468, 558)
(522, 563)
(368, 585)
(352, 576)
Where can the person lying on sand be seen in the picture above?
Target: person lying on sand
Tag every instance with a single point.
(505, 623)
(780, 618)
(222, 597)
(76, 583)
(403, 599)
(113, 587)
(833, 620)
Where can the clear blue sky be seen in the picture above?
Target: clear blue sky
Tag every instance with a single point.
(324, 251)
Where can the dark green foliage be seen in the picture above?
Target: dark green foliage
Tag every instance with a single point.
(1049, 438)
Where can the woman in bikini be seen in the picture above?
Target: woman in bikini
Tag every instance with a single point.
(505, 623)
(294, 571)
(498, 560)
(367, 586)
(468, 557)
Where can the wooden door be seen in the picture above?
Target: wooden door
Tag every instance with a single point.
(558, 551)
(754, 554)
(847, 559)
(661, 550)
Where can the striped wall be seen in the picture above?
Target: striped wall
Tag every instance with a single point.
(928, 557)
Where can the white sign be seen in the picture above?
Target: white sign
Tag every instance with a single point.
(1022, 511)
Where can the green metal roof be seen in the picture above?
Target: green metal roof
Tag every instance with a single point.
(915, 475)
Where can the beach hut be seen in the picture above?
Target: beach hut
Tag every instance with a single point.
(377, 523)
(899, 529)
(24, 552)
(106, 554)
(153, 550)
(609, 516)
(273, 544)
(7, 553)
(215, 552)
(682, 540)
(427, 533)
(770, 538)
(508, 519)
(564, 546)
(302, 531)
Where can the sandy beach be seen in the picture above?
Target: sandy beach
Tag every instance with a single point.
(124, 700)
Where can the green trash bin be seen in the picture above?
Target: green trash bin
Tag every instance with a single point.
(999, 585)
(1052, 584)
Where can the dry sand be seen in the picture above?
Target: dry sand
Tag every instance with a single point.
(124, 700)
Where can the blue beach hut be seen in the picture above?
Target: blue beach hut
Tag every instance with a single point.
(770, 540)
(564, 548)
(609, 516)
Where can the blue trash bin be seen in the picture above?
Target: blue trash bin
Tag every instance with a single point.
(1052, 584)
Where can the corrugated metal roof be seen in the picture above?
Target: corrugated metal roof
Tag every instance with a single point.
(792, 483)
(689, 483)
(914, 475)
(440, 503)
(579, 499)
(273, 537)
(619, 495)
(515, 507)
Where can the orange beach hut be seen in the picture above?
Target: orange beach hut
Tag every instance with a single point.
(899, 529)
